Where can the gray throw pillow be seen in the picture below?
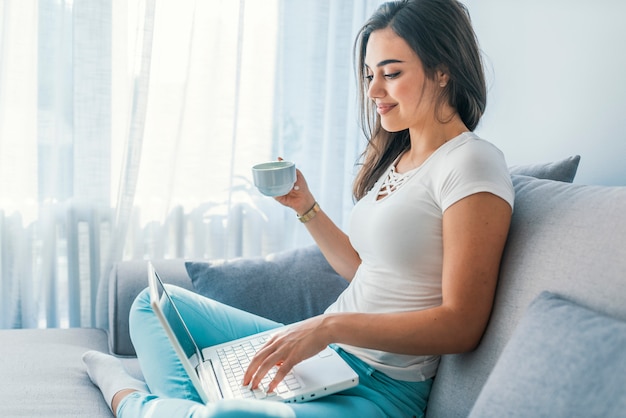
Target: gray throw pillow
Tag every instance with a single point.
(563, 170)
(563, 360)
(286, 287)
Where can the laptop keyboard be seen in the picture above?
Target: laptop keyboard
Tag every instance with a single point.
(235, 360)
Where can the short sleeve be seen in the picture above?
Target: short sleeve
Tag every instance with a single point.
(471, 167)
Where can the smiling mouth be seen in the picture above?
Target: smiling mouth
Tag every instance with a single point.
(384, 108)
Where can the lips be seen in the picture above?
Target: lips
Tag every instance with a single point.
(384, 108)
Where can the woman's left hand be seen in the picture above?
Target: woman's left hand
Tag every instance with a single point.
(286, 349)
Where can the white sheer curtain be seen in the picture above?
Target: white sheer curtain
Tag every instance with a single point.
(55, 148)
(128, 129)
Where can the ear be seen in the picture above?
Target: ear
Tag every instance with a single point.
(442, 76)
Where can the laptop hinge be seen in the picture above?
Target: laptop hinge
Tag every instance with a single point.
(208, 378)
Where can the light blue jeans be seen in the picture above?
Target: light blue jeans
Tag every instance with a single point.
(210, 322)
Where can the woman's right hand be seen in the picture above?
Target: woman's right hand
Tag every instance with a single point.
(299, 198)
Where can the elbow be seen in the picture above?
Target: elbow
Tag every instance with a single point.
(466, 328)
(465, 333)
(461, 345)
(469, 344)
(349, 270)
(469, 338)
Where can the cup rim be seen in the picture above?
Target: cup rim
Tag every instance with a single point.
(272, 165)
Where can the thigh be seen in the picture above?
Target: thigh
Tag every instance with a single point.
(339, 405)
(209, 322)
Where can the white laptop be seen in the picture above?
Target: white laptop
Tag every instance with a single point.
(217, 372)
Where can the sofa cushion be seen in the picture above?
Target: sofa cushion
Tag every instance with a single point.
(562, 170)
(286, 287)
(563, 360)
(43, 374)
(566, 238)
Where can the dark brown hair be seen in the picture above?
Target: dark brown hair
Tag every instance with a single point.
(441, 34)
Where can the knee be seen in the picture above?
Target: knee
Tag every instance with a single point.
(140, 307)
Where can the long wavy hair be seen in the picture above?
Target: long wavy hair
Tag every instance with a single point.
(441, 34)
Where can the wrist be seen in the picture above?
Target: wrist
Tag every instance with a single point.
(329, 325)
(305, 207)
(309, 214)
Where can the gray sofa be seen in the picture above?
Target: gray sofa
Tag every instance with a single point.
(555, 345)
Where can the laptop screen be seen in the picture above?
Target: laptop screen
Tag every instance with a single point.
(175, 320)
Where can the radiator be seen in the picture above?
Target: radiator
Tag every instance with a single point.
(50, 269)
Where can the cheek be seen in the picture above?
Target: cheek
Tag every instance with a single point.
(407, 94)
(416, 102)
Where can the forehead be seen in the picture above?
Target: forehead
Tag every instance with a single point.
(385, 45)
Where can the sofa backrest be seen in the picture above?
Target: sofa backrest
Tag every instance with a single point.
(566, 238)
(118, 291)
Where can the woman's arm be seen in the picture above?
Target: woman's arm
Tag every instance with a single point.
(332, 241)
(474, 234)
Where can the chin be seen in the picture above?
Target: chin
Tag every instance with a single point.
(391, 125)
(392, 128)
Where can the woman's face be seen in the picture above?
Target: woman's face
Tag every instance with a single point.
(404, 96)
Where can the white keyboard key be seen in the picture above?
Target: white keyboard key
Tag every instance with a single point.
(259, 393)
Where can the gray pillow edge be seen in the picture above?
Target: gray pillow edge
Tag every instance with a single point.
(561, 170)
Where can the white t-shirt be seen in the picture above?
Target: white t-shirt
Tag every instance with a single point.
(399, 240)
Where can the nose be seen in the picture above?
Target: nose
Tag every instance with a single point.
(375, 89)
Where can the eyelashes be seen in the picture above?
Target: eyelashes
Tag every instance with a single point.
(391, 76)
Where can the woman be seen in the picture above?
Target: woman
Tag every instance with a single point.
(426, 238)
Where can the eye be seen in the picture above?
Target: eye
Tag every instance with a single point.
(369, 78)
(392, 75)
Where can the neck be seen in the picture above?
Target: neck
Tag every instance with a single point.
(427, 139)
(431, 135)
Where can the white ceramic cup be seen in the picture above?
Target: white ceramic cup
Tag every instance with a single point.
(275, 178)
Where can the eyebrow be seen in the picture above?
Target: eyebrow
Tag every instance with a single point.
(386, 62)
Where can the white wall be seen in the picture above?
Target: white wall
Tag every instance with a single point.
(556, 72)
